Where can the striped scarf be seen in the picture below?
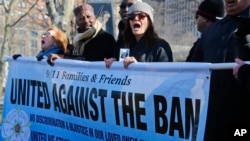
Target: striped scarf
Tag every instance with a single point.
(81, 39)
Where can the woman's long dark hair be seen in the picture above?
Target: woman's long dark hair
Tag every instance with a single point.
(150, 35)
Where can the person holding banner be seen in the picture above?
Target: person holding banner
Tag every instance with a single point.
(53, 40)
(227, 101)
(242, 70)
(242, 73)
(124, 6)
(141, 39)
(242, 36)
(91, 42)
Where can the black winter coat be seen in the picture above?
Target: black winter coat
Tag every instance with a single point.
(100, 47)
(228, 104)
(244, 77)
(191, 52)
(159, 52)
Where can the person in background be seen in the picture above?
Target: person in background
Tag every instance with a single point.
(141, 39)
(91, 42)
(53, 40)
(208, 12)
(228, 105)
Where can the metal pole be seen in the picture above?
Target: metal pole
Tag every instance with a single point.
(220, 66)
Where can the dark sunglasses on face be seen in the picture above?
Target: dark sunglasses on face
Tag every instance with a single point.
(140, 16)
(125, 5)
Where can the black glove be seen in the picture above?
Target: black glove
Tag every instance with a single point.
(15, 56)
(39, 58)
(243, 28)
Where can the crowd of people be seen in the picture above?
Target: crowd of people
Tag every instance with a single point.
(224, 38)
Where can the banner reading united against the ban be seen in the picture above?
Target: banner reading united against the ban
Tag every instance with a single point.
(77, 100)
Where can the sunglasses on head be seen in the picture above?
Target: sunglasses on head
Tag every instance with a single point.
(140, 16)
(125, 5)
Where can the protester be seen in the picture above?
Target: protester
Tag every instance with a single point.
(125, 4)
(141, 39)
(242, 70)
(53, 40)
(91, 43)
(208, 12)
(227, 101)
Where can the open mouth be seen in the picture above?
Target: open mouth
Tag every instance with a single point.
(136, 25)
(42, 41)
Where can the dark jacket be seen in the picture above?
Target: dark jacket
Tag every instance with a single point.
(191, 52)
(98, 48)
(159, 52)
(244, 77)
(121, 27)
(243, 47)
(217, 43)
(119, 41)
(227, 99)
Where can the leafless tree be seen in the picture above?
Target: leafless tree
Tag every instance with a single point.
(8, 24)
(60, 13)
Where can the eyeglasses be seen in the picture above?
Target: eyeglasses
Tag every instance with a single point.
(140, 16)
(125, 5)
(46, 34)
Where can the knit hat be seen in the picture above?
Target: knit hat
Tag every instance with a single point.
(142, 7)
(211, 9)
(83, 7)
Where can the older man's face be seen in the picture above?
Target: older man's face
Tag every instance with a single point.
(125, 4)
(86, 19)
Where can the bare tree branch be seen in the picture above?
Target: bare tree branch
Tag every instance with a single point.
(24, 15)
